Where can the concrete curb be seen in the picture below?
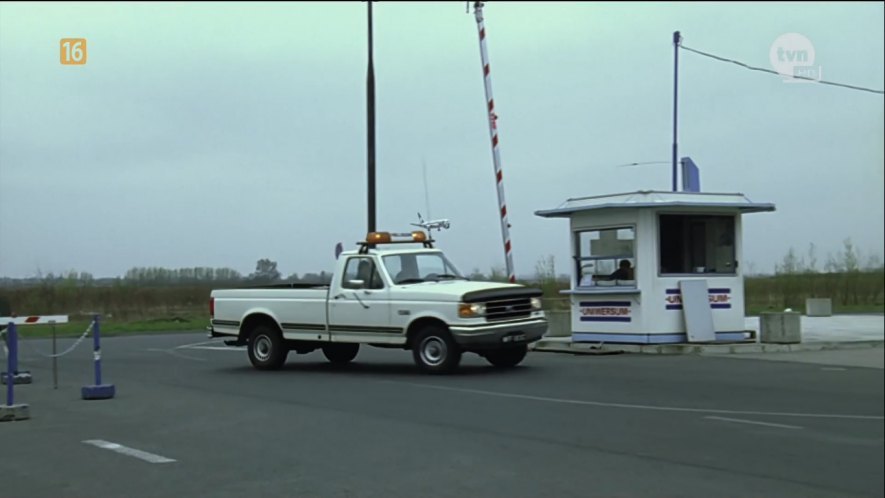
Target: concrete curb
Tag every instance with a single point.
(11, 413)
(564, 345)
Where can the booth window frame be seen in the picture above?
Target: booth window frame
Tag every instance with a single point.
(581, 259)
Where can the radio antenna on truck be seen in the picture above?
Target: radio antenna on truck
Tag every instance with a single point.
(440, 224)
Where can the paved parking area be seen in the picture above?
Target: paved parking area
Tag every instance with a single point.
(860, 357)
(192, 418)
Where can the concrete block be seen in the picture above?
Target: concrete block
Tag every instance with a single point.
(780, 328)
(18, 378)
(103, 391)
(559, 323)
(818, 306)
(9, 413)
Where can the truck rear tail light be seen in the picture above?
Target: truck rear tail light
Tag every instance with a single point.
(211, 307)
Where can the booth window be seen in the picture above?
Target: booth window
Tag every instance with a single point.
(605, 257)
(696, 244)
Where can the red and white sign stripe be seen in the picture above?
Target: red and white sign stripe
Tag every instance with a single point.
(493, 133)
(33, 320)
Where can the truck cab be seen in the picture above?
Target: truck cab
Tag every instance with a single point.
(386, 293)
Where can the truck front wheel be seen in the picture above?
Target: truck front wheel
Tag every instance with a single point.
(434, 350)
(266, 348)
(506, 358)
(340, 354)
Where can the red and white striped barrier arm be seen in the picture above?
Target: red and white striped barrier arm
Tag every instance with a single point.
(493, 133)
(33, 320)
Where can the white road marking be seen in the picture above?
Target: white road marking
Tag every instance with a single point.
(185, 346)
(754, 422)
(119, 448)
(202, 345)
(219, 348)
(639, 407)
(197, 345)
(172, 352)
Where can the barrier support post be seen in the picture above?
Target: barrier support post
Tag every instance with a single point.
(12, 373)
(97, 390)
(10, 411)
(54, 358)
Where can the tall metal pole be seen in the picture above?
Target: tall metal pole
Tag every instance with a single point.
(370, 103)
(493, 133)
(676, 39)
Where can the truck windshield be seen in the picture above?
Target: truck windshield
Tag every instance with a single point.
(418, 267)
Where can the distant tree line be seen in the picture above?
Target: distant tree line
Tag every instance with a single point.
(848, 278)
(849, 260)
(265, 272)
(853, 281)
(162, 276)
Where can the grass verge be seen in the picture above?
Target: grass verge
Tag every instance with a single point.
(111, 327)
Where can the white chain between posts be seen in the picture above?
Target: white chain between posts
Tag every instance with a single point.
(57, 355)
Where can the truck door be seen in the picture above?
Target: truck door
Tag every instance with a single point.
(359, 306)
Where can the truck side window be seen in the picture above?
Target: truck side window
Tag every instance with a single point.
(362, 269)
(374, 281)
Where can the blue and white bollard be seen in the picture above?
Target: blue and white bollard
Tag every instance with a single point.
(16, 377)
(98, 390)
(10, 411)
(11, 363)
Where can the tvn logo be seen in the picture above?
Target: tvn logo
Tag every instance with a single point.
(792, 56)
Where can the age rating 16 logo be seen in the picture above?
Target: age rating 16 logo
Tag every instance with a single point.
(73, 51)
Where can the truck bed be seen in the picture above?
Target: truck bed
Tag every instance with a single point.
(284, 285)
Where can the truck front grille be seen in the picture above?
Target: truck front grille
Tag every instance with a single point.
(508, 309)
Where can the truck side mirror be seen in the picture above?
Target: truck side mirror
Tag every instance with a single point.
(356, 284)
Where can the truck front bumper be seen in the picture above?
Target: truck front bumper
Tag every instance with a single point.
(498, 335)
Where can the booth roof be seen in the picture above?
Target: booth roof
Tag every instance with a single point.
(656, 199)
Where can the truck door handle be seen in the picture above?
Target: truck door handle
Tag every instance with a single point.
(360, 300)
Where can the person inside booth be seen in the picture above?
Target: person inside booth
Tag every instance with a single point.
(624, 271)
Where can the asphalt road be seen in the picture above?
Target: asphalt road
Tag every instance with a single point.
(191, 421)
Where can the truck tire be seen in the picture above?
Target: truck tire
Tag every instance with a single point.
(434, 350)
(340, 354)
(508, 357)
(266, 348)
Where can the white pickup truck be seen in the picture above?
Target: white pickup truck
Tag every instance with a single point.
(387, 295)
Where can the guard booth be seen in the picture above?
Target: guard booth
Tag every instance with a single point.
(656, 267)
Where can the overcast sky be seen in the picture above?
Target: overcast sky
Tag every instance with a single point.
(215, 135)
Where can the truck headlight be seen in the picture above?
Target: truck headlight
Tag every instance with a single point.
(471, 310)
(536, 303)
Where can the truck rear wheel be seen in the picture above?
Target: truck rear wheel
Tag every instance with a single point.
(507, 358)
(266, 348)
(340, 354)
(434, 350)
